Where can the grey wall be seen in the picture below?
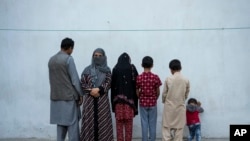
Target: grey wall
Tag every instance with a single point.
(210, 37)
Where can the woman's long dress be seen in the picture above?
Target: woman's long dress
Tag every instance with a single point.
(96, 113)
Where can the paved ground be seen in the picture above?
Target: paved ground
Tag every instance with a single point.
(35, 139)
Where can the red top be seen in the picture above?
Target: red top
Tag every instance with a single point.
(192, 117)
(148, 83)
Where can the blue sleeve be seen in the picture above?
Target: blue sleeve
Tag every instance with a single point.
(75, 80)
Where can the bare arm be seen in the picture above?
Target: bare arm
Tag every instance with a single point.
(137, 93)
(158, 92)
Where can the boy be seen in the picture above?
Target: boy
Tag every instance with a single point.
(147, 89)
(193, 120)
(175, 92)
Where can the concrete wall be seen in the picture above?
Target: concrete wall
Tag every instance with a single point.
(210, 37)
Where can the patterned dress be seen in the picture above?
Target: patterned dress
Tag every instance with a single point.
(96, 114)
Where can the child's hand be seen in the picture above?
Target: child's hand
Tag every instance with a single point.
(198, 103)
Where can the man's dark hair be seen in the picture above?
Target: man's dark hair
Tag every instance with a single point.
(147, 62)
(67, 43)
(175, 65)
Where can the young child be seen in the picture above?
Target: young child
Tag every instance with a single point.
(193, 121)
(148, 90)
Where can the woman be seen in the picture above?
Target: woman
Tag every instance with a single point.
(96, 81)
(123, 96)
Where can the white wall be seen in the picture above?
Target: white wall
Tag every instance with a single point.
(216, 61)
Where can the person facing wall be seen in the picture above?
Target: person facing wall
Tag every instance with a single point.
(123, 96)
(65, 92)
(148, 90)
(175, 92)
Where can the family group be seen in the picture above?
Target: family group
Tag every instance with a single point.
(86, 99)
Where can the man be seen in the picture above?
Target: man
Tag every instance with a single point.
(65, 92)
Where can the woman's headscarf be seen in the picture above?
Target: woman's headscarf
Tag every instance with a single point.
(123, 62)
(98, 68)
(123, 75)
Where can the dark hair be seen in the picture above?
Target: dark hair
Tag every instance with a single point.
(147, 62)
(67, 43)
(175, 65)
(192, 100)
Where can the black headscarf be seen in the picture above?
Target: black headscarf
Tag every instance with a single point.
(123, 85)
